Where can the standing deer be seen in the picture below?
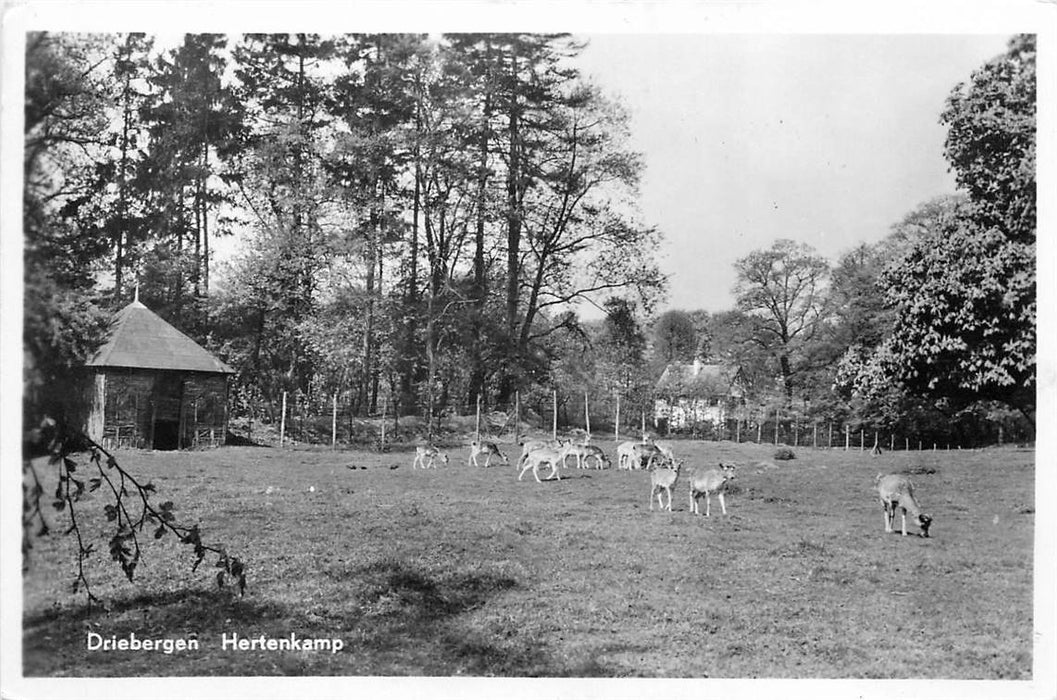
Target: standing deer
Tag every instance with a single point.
(530, 445)
(542, 455)
(424, 457)
(897, 491)
(625, 454)
(663, 479)
(707, 482)
(485, 448)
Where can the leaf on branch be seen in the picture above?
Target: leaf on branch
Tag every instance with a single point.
(111, 512)
(220, 579)
(111, 462)
(94, 483)
(70, 465)
(148, 488)
(159, 532)
(59, 504)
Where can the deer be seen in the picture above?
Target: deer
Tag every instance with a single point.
(648, 453)
(581, 453)
(625, 454)
(601, 460)
(542, 455)
(485, 448)
(424, 457)
(897, 491)
(707, 482)
(666, 450)
(530, 445)
(663, 478)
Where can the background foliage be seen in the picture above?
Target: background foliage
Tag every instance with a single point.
(421, 220)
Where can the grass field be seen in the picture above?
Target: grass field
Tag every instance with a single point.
(464, 571)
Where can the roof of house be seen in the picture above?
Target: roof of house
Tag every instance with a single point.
(140, 338)
(702, 376)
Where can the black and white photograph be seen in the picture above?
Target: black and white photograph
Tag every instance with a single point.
(556, 350)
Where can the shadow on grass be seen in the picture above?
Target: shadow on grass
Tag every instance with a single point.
(193, 608)
(236, 440)
(395, 618)
(55, 639)
(426, 614)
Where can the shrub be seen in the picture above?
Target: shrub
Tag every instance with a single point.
(784, 453)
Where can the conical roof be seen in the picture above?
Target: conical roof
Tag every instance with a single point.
(140, 338)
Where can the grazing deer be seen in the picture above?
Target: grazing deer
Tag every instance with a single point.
(663, 479)
(485, 448)
(601, 460)
(708, 482)
(542, 455)
(581, 453)
(666, 450)
(648, 453)
(424, 457)
(897, 491)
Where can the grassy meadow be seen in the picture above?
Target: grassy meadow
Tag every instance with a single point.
(467, 571)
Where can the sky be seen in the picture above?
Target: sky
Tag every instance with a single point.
(825, 139)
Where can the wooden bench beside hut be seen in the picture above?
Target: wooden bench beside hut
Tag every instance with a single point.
(152, 387)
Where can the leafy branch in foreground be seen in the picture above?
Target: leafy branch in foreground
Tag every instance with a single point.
(129, 508)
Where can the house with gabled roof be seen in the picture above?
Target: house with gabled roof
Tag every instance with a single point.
(697, 395)
(152, 387)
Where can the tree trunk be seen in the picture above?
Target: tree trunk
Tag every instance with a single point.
(513, 220)
(787, 375)
(479, 280)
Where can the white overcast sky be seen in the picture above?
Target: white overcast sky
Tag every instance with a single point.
(825, 139)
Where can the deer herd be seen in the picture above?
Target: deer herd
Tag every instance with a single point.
(896, 491)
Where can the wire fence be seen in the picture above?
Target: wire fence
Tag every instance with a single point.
(303, 421)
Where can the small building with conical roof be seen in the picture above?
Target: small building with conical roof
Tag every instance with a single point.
(152, 387)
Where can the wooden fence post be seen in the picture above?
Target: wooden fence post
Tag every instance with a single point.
(282, 422)
(517, 415)
(587, 418)
(477, 428)
(334, 423)
(616, 434)
(385, 412)
(777, 422)
(554, 421)
(847, 437)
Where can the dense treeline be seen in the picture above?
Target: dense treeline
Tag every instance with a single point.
(419, 213)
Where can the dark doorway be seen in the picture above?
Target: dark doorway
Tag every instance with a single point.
(166, 434)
